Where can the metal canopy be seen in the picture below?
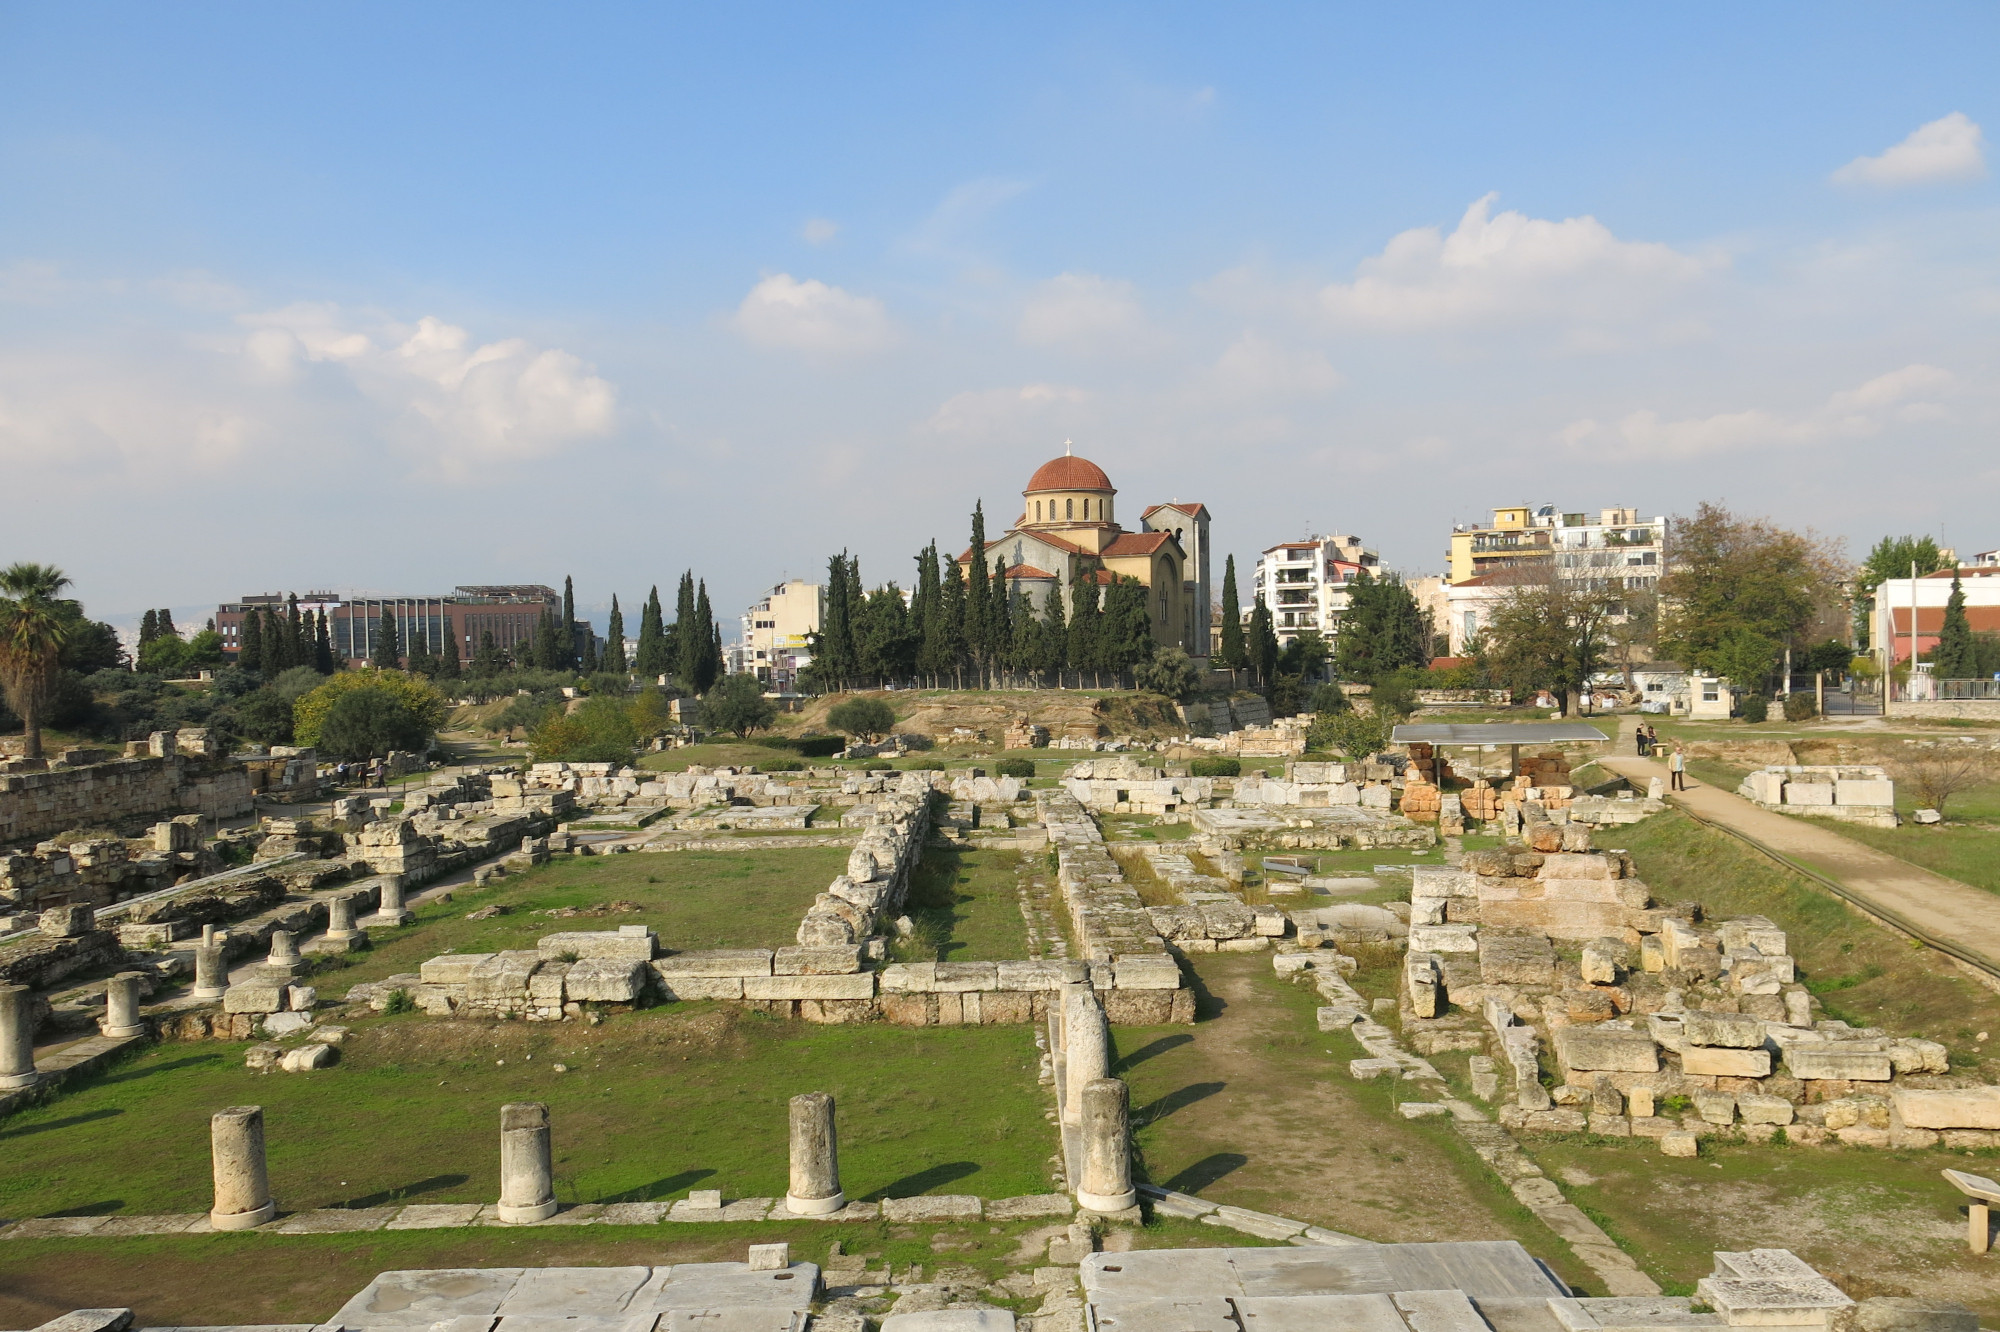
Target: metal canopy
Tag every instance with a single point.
(1498, 733)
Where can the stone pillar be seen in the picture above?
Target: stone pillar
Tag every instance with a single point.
(815, 1187)
(242, 1185)
(17, 1037)
(392, 911)
(121, 1005)
(1107, 1148)
(340, 918)
(1979, 1227)
(1088, 1050)
(527, 1178)
(284, 952)
(210, 978)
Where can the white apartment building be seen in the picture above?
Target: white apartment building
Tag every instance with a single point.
(1305, 583)
(774, 643)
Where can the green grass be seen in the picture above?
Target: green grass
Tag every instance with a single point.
(654, 1104)
(1142, 828)
(966, 905)
(1965, 852)
(1862, 972)
(692, 899)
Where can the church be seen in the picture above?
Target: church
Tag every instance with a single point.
(1069, 521)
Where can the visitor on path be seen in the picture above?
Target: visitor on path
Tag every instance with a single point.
(1677, 768)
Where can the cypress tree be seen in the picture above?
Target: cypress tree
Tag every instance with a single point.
(486, 660)
(1085, 615)
(614, 639)
(1054, 635)
(249, 646)
(542, 649)
(926, 614)
(588, 663)
(149, 627)
(978, 594)
(388, 651)
(1233, 656)
(708, 665)
(1956, 656)
(650, 659)
(1128, 625)
(447, 660)
(1263, 645)
(685, 647)
(1000, 631)
(323, 643)
(951, 622)
(164, 625)
(419, 662)
(834, 657)
(273, 656)
(298, 646)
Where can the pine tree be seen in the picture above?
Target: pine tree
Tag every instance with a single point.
(979, 594)
(686, 648)
(1956, 656)
(388, 651)
(249, 648)
(1234, 658)
(447, 661)
(708, 666)
(149, 627)
(614, 640)
(323, 643)
(1263, 645)
(651, 659)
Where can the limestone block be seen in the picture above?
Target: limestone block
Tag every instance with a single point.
(264, 1056)
(638, 945)
(739, 962)
(605, 980)
(1518, 959)
(1606, 1049)
(1756, 932)
(308, 1057)
(909, 978)
(1812, 794)
(1714, 1107)
(1707, 1061)
(1440, 881)
(1915, 1056)
(1035, 975)
(1864, 792)
(1757, 1109)
(1563, 865)
(1146, 971)
(861, 986)
(1444, 938)
(502, 978)
(800, 960)
(932, 1207)
(1965, 1108)
(1731, 1030)
(959, 977)
(1794, 1302)
(1679, 1142)
(254, 997)
(1602, 961)
(1765, 786)
(1829, 1061)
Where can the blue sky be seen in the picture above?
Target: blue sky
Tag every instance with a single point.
(396, 297)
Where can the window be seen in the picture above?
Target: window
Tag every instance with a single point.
(1069, 508)
(1709, 692)
(1086, 508)
(1038, 511)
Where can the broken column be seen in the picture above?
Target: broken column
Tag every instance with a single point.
(17, 1037)
(815, 1186)
(527, 1179)
(210, 980)
(284, 958)
(1107, 1148)
(340, 919)
(242, 1185)
(1087, 1049)
(121, 1005)
(392, 911)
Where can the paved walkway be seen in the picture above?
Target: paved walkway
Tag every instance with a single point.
(1945, 908)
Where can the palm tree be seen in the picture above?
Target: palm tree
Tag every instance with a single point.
(33, 625)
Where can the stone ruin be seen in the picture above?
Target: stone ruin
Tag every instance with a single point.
(1851, 793)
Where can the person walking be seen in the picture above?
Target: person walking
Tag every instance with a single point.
(1677, 768)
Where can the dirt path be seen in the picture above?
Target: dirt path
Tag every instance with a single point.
(1946, 908)
(1252, 1108)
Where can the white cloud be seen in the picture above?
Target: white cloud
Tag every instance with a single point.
(1508, 268)
(811, 316)
(1949, 148)
(819, 230)
(1255, 366)
(1004, 412)
(1902, 396)
(1084, 312)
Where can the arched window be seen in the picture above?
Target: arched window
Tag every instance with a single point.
(1069, 508)
(1086, 508)
(1038, 511)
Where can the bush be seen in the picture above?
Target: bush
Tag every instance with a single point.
(1022, 768)
(1170, 672)
(1395, 695)
(1327, 700)
(368, 723)
(781, 765)
(1754, 708)
(423, 701)
(805, 746)
(400, 1001)
(1801, 707)
(599, 730)
(1210, 766)
(737, 705)
(924, 765)
(1350, 735)
(863, 718)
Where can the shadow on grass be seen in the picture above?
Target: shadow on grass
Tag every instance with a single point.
(1178, 1099)
(1150, 1050)
(169, 1066)
(909, 1186)
(403, 1192)
(71, 1122)
(101, 1208)
(1208, 1005)
(661, 1189)
(1206, 1171)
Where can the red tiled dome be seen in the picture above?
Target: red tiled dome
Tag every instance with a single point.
(1069, 473)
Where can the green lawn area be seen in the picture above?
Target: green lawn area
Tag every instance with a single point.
(693, 899)
(966, 905)
(1968, 852)
(654, 1103)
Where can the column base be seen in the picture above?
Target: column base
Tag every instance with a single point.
(120, 1033)
(16, 1081)
(521, 1216)
(200, 992)
(1107, 1202)
(390, 918)
(345, 936)
(242, 1220)
(815, 1206)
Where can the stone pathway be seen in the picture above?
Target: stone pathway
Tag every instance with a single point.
(1892, 889)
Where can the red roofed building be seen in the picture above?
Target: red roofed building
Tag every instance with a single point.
(1069, 523)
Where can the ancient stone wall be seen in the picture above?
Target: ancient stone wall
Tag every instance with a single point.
(35, 804)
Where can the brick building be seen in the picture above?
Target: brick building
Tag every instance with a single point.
(509, 612)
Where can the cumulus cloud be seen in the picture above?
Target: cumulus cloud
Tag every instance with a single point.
(992, 413)
(1085, 313)
(1949, 148)
(1508, 268)
(811, 316)
(1255, 366)
(1906, 396)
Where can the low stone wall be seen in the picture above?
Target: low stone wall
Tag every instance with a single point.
(35, 804)
(1850, 793)
(1977, 709)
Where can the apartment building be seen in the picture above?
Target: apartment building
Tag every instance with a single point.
(774, 644)
(1305, 583)
(1615, 548)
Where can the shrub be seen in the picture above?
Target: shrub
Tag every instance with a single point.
(1801, 707)
(1212, 766)
(1349, 734)
(599, 730)
(863, 718)
(1327, 699)
(1754, 708)
(424, 702)
(781, 765)
(820, 746)
(924, 765)
(368, 723)
(1170, 672)
(400, 1001)
(737, 704)
(1395, 695)
(1022, 768)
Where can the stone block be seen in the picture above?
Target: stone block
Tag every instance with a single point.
(578, 945)
(932, 1207)
(254, 997)
(502, 978)
(1966, 1108)
(738, 962)
(1146, 971)
(1603, 959)
(909, 978)
(960, 977)
(452, 968)
(1896, 1313)
(1030, 1205)
(1516, 959)
(1864, 792)
(1795, 1302)
(801, 960)
(1731, 1030)
(701, 987)
(859, 986)
(1714, 1107)
(1606, 1049)
(1444, 938)
(1679, 1142)
(1566, 866)
(1816, 794)
(1765, 1109)
(605, 980)
(308, 1057)
(1721, 1062)
(1831, 1062)
(1037, 974)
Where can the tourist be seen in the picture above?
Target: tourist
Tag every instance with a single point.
(1677, 768)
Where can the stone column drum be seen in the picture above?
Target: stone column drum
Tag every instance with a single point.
(284, 956)
(121, 1005)
(242, 1185)
(815, 1186)
(1088, 1056)
(527, 1178)
(1107, 1149)
(210, 980)
(340, 918)
(17, 1037)
(392, 911)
